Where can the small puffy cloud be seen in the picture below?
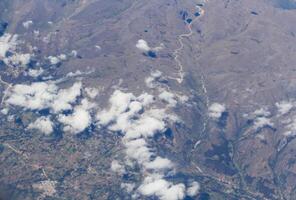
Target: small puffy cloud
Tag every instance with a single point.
(193, 189)
(74, 53)
(62, 57)
(27, 24)
(43, 124)
(98, 47)
(216, 110)
(35, 72)
(79, 120)
(159, 164)
(262, 112)
(117, 167)
(291, 127)
(54, 60)
(146, 126)
(284, 107)
(161, 188)
(168, 97)
(143, 45)
(262, 118)
(261, 122)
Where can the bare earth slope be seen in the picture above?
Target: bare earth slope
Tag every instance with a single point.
(129, 99)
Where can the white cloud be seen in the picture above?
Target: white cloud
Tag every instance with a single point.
(143, 45)
(18, 60)
(193, 189)
(216, 110)
(74, 53)
(43, 124)
(34, 96)
(8, 42)
(62, 57)
(262, 112)
(159, 164)
(119, 102)
(79, 120)
(98, 47)
(117, 167)
(65, 97)
(260, 122)
(284, 107)
(35, 72)
(163, 189)
(145, 99)
(138, 150)
(146, 126)
(5, 111)
(291, 127)
(138, 121)
(41, 95)
(168, 97)
(54, 60)
(27, 24)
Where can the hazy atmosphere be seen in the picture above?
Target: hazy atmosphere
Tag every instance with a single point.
(147, 99)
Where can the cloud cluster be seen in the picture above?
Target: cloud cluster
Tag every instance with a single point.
(42, 95)
(54, 60)
(18, 60)
(168, 97)
(216, 110)
(35, 72)
(291, 127)
(8, 43)
(284, 107)
(137, 119)
(193, 189)
(47, 95)
(262, 118)
(43, 124)
(79, 120)
(165, 190)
